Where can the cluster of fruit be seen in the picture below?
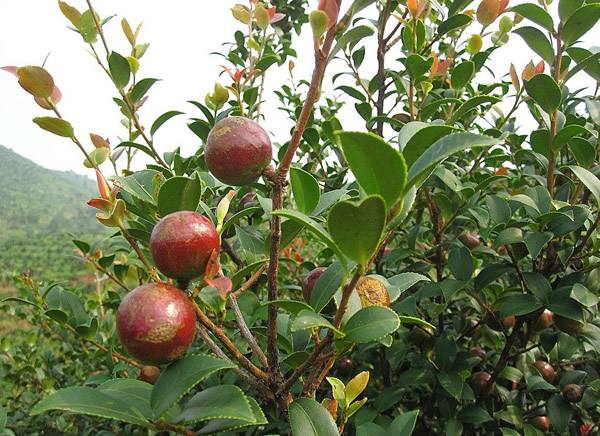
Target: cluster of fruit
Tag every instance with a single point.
(156, 322)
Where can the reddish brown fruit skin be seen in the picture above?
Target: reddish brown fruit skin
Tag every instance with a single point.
(149, 374)
(572, 393)
(541, 422)
(156, 323)
(237, 151)
(309, 282)
(480, 383)
(345, 366)
(470, 240)
(545, 320)
(545, 369)
(509, 322)
(181, 244)
(478, 352)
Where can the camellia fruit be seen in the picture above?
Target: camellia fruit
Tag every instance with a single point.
(546, 370)
(149, 374)
(480, 383)
(182, 243)
(572, 393)
(309, 282)
(372, 292)
(541, 422)
(345, 365)
(237, 151)
(156, 323)
(545, 320)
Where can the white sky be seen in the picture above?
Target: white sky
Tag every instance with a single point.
(182, 35)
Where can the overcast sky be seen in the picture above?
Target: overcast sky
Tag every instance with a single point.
(182, 34)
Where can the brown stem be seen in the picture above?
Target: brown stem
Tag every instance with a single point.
(245, 331)
(230, 346)
(505, 355)
(151, 270)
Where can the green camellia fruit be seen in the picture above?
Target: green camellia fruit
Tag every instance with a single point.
(474, 44)
(506, 24)
(156, 323)
(237, 151)
(182, 243)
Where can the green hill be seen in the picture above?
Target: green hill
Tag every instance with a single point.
(38, 207)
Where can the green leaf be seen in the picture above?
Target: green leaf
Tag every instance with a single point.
(422, 139)
(307, 319)
(371, 324)
(544, 91)
(36, 81)
(57, 126)
(306, 190)
(3, 417)
(537, 383)
(351, 36)
(180, 377)
(292, 306)
(89, 401)
(134, 393)
(453, 383)
(179, 193)
(443, 148)
(309, 418)
(377, 166)
(560, 411)
(536, 14)
(567, 7)
(472, 104)
(583, 150)
(462, 74)
(357, 228)
(536, 241)
(518, 304)
(461, 263)
(326, 286)
(163, 119)
(582, 295)
(229, 425)
(141, 88)
(120, 71)
(311, 225)
(580, 22)
(87, 27)
(417, 65)
(537, 41)
(403, 281)
(589, 180)
(217, 402)
(97, 157)
(490, 274)
(140, 185)
(454, 22)
(404, 425)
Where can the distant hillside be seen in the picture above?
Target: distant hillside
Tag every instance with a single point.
(38, 207)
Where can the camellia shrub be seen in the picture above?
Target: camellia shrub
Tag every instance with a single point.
(432, 267)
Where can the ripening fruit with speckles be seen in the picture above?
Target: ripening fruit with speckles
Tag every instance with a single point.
(545, 369)
(372, 292)
(182, 243)
(480, 382)
(156, 323)
(541, 422)
(237, 151)
(149, 374)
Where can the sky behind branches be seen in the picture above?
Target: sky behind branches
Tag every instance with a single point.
(182, 36)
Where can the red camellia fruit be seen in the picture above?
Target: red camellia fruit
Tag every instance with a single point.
(480, 383)
(309, 282)
(182, 243)
(546, 370)
(156, 323)
(545, 320)
(572, 393)
(237, 151)
(541, 422)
